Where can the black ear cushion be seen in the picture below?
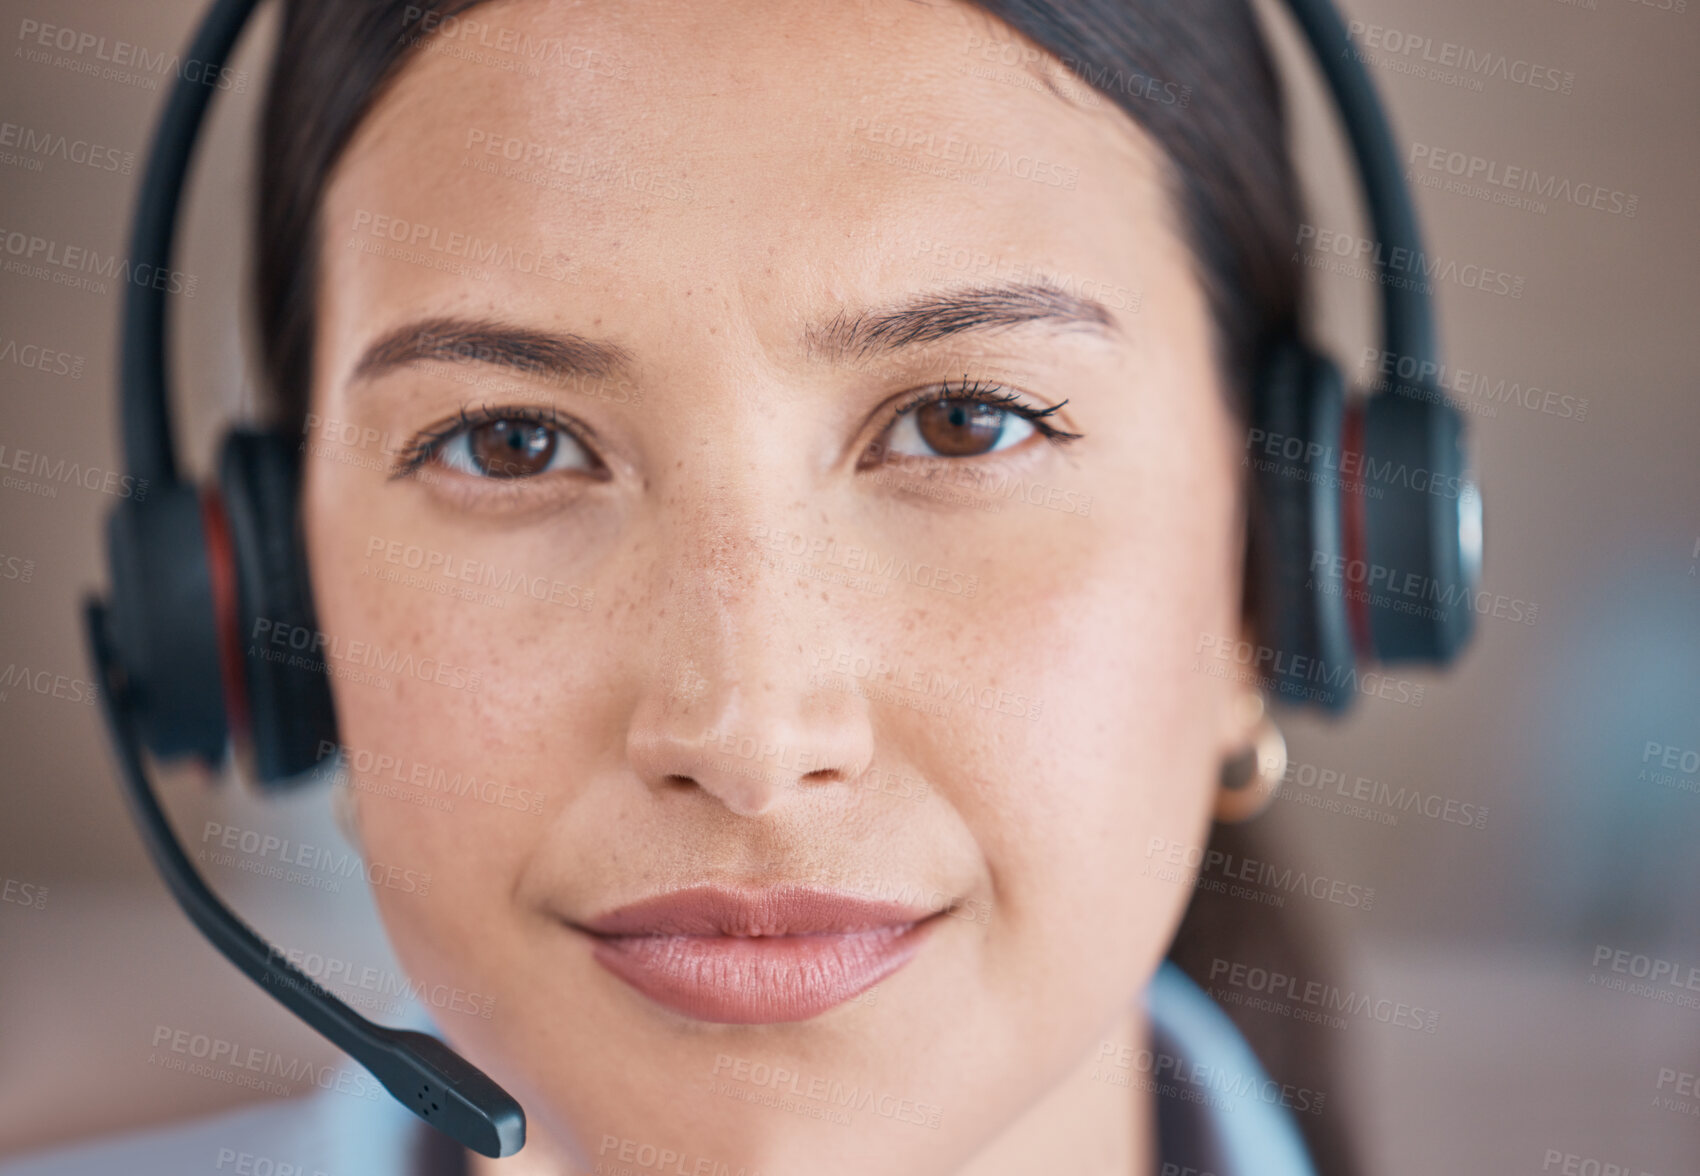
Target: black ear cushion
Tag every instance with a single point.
(162, 621)
(1423, 528)
(292, 721)
(1299, 606)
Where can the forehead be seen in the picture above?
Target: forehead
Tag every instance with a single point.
(763, 156)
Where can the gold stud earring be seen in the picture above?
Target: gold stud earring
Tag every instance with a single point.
(1250, 779)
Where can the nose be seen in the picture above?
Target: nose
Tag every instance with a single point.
(728, 704)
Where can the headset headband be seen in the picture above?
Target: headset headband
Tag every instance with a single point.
(1406, 310)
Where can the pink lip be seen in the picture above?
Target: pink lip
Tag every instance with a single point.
(756, 957)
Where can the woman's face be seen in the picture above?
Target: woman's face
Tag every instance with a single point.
(901, 697)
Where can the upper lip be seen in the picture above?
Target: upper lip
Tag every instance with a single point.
(782, 910)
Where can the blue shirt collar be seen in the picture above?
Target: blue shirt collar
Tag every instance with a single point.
(1219, 1113)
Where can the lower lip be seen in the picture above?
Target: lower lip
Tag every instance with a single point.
(758, 980)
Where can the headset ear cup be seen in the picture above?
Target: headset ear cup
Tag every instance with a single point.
(163, 620)
(292, 721)
(1299, 606)
(1422, 518)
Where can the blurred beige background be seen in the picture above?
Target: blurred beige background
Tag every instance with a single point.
(1595, 520)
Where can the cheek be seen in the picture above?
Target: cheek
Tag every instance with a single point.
(428, 747)
(1078, 812)
(1122, 761)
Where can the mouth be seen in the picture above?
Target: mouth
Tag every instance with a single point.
(754, 957)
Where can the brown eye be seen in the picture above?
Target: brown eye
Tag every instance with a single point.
(511, 449)
(960, 428)
(510, 444)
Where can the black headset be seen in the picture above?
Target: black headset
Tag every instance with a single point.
(1378, 483)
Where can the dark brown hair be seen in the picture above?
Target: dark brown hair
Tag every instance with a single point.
(1197, 76)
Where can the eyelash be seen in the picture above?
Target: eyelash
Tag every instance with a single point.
(422, 448)
(994, 394)
(430, 442)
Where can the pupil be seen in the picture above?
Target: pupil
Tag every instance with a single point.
(959, 428)
(512, 449)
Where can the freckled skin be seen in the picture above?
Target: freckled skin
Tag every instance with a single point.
(698, 634)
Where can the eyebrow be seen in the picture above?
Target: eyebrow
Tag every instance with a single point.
(930, 317)
(922, 319)
(561, 356)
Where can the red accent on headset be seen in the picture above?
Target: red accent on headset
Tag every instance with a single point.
(221, 568)
(1352, 530)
